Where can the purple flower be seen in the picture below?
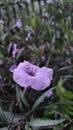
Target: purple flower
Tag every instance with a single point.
(18, 23)
(43, 58)
(29, 37)
(12, 67)
(29, 75)
(26, 39)
(28, 1)
(52, 23)
(1, 62)
(48, 1)
(15, 50)
(50, 94)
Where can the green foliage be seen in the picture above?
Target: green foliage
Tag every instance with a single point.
(65, 99)
(50, 25)
(40, 123)
(4, 119)
(9, 118)
(21, 98)
(40, 99)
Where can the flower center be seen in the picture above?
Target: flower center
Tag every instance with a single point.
(30, 71)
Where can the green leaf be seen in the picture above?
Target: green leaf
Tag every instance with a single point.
(65, 68)
(41, 98)
(40, 123)
(4, 119)
(15, 117)
(33, 21)
(29, 29)
(66, 97)
(21, 99)
(18, 95)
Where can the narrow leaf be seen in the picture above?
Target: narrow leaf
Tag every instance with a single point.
(4, 128)
(41, 98)
(40, 123)
(4, 119)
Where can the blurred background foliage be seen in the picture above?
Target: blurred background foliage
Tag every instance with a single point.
(43, 32)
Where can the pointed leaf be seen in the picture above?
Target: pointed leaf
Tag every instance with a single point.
(21, 98)
(41, 98)
(3, 117)
(40, 123)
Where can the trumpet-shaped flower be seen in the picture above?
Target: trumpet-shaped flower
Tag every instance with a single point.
(28, 75)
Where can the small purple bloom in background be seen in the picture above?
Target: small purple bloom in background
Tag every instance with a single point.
(26, 39)
(1, 62)
(18, 23)
(12, 67)
(52, 23)
(28, 1)
(29, 34)
(50, 94)
(28, 75)
(48, 1)
(29, 37)
(15, 50)
(43, 58)
(42, 48)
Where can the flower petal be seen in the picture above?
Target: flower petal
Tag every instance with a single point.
(22, 79)
(40, 83)
(12, 67)
(50, 93)
(42, 78)
(29, 68)
(46, 72)
(18, 23)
